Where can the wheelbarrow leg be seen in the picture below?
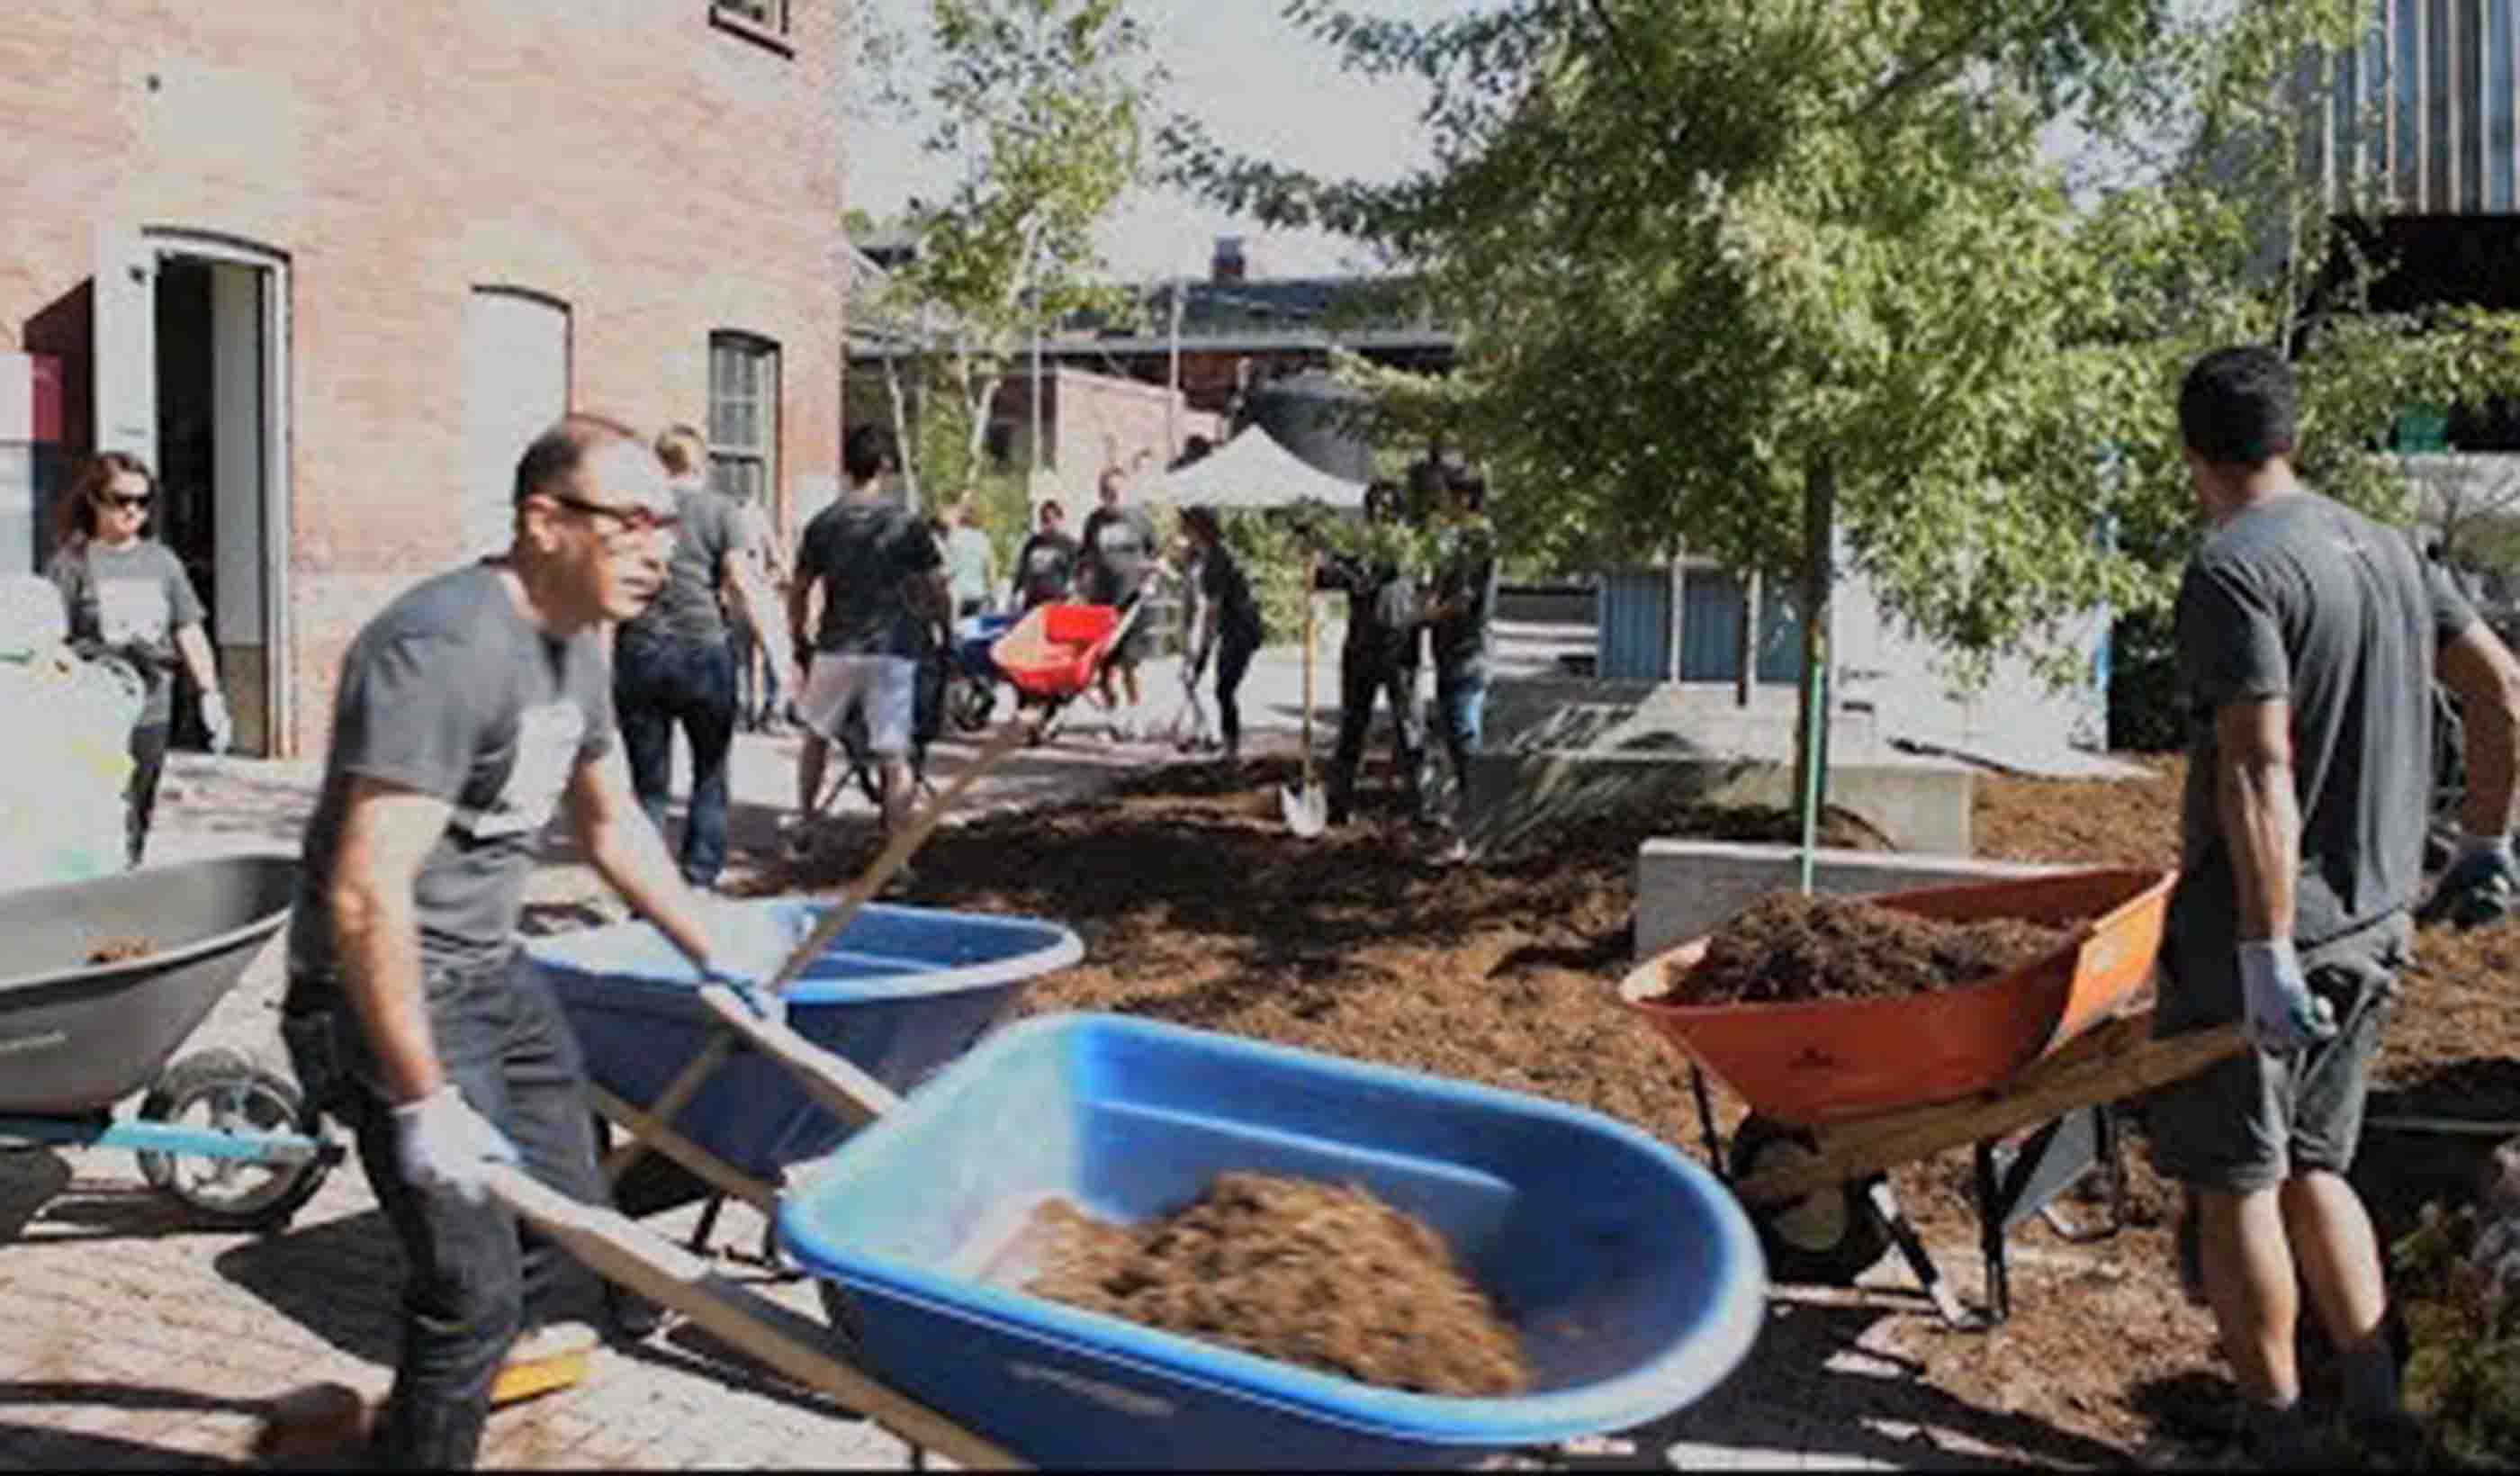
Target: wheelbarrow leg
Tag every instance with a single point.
(1920, 1261)
(698, 1243)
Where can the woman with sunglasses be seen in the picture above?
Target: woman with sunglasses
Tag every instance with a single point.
(129, 598)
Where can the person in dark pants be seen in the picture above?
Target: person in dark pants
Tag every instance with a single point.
(1119, 552)
(465, 711)
(1459, 613)
(2308, 639)
(674, 662)
(1227, 622)
(1378, 658)
(127, 597)
(1046, 565)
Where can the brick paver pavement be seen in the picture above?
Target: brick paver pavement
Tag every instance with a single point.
(131, 1338)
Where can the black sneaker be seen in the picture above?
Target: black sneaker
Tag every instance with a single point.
(2391, 1442)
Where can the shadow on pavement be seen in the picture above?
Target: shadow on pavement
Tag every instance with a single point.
(341, 1280)
(1783, 1398)
(36, 1447)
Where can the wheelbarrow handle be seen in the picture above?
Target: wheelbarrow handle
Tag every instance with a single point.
(617, 1248)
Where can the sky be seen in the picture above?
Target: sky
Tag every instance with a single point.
(1259, 84)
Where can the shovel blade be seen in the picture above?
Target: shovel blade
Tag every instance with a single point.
(1302, 810)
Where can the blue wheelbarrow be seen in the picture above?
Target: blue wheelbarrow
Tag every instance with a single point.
(231, 1138)
(1633, 1275)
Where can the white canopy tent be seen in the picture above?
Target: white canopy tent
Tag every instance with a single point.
(1253, 470)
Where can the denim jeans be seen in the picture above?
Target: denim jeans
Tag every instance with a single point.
(474, 1277)
(1461, 703)
(657, 684)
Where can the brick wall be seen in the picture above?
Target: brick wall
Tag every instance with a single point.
(1092, 421)
(661, 175)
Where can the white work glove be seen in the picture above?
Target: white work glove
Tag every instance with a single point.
(750, 942)
(444, 1146)
(2283, 1016)
(215, 717)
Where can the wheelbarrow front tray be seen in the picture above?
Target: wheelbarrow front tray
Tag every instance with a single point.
(1632, 1277)
(78, 1037)
(1054, 651)
(1813, 1062)
(901, 992)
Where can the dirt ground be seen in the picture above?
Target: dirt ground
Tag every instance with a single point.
(1195, 906)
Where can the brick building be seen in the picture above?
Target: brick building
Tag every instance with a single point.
(330, 266)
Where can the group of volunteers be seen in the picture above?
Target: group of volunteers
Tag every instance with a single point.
(2310, 639)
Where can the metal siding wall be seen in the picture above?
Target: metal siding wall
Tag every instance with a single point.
(1635, 625)
(1710, 626)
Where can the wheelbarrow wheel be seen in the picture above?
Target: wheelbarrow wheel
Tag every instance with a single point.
(971, 701)
(1828, 1237)
(224, 1088)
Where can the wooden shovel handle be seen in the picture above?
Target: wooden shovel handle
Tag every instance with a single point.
(614, 1246)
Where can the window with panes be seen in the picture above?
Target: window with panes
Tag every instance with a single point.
(743, 416)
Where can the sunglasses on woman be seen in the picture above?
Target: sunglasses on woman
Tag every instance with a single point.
(126, 502)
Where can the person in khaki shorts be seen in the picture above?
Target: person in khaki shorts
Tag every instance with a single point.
(882, 579)
(2307, 638)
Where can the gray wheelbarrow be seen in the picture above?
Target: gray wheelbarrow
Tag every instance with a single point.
(231, 1138)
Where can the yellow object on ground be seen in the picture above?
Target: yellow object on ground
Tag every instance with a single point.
(542, 1361)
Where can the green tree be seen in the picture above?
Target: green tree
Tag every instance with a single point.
(1758, 279)
(1035, 110)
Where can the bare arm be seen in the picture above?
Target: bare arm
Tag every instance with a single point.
(2260, 813)
(627, 851)
(195, 648)
(2479, 670)
(386, 833)
(753, 606)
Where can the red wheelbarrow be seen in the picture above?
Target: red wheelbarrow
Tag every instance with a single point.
(1839, 1090)
(1057, 650)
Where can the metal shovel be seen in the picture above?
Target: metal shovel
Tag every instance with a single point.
(1303, 808)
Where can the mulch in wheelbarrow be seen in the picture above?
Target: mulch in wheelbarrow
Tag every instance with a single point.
(1324, 1277)
(1788, 947)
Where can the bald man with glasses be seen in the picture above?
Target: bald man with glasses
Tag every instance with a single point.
(465, 712)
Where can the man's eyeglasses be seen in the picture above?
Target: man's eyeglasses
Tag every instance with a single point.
(128, 503)
(630, 523)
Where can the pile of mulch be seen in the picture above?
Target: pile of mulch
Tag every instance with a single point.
(1320, 1276)
(1788, 946)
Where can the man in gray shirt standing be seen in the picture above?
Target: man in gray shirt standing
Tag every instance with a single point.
(2307, 637)
(674, 662)
(465, 710)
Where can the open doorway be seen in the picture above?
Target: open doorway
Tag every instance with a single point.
(190, 345)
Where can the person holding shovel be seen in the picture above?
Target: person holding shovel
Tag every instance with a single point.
(1226, 623)
(465, 710)
(2307, 638)
(1378, 658)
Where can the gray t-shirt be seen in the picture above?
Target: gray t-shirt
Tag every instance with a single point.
(687, 607)
(2306, 600)
(451, 693)
(131, 600)
(866, 552)
(1118, 548)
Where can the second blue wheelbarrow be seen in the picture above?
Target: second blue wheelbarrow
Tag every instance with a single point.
(1634, 1277)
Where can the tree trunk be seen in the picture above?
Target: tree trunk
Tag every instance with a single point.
(905, 443)
(1811, 709)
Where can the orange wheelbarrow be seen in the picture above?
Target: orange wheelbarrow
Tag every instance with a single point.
(1840, 1090)
(1057, 650)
